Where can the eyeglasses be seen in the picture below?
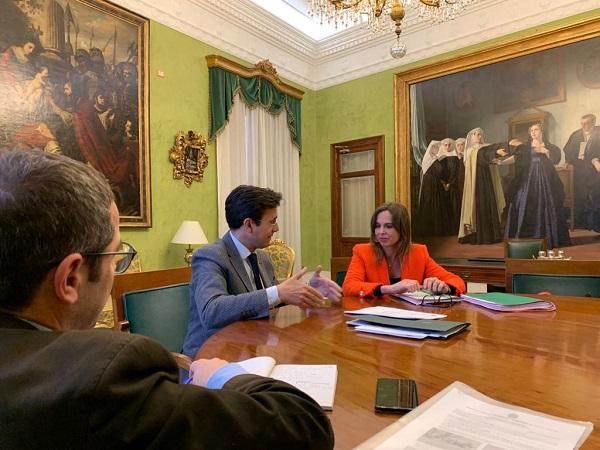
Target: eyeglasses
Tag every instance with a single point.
(271, 222)
(438, 300)
(123, 256)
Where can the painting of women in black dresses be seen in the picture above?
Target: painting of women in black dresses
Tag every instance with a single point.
(72, 82)
(536, 197)
(519, 181)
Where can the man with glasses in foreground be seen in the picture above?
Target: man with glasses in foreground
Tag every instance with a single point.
(64, 386)
(232, 279)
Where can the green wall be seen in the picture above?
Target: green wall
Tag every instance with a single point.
(179, 101)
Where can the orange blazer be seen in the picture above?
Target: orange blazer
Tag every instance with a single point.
(365, 274)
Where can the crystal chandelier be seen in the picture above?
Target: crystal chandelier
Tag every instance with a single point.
(352, 12)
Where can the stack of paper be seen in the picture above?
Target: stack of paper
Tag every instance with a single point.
(397, 313)
(415, 329)
(426, 298)
(500, 301)
(403, 323)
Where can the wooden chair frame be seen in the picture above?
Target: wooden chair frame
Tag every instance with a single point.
(143, 280)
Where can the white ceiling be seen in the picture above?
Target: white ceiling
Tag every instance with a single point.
(252, 30)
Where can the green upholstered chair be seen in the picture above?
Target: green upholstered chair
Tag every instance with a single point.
(340, 276)
(160, 313)
(577, 285)
(523, 248)
(579, 278)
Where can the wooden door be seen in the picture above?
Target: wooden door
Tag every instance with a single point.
(357, 188)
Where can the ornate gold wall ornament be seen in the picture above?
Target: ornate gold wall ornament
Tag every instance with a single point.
(188, 154)
(268, 68)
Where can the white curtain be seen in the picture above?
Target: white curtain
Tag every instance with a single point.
(255, 147)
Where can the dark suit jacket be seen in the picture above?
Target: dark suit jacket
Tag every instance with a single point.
(365, 274)
(592, 148)
(221, 291)
(104, 389)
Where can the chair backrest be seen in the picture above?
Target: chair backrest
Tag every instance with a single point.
(578, 285)
(523, 248)
(340, 276)
(530, 276)
(282, 257)
(339, 268)
(160, 313)
(128, 282)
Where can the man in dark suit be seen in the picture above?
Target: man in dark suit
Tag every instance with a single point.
(63, 386)
(226, 287)
(582, 150)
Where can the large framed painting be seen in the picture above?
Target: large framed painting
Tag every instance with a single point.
(503, 143)
(74, 80)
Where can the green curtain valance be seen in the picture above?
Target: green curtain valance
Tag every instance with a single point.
(256, 90)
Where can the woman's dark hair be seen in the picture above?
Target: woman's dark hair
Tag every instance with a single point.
(401, 223)
(544, 136)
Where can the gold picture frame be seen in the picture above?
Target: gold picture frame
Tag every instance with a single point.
(480, 63)
(189, 156)
(76, 82)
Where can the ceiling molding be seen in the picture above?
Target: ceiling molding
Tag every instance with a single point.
(243, 29)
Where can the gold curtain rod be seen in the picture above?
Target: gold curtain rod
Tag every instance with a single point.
(262, 69)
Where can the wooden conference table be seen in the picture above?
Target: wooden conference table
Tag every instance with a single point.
(546, 361)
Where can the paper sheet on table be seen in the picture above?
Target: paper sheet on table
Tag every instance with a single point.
(398, 313)
(388, 331)
(459, 417)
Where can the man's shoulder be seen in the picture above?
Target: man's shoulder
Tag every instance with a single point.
(217, 249)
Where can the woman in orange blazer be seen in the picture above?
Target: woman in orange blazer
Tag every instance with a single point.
(391, 264)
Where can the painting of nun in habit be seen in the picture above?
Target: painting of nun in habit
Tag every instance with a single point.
(483, 198)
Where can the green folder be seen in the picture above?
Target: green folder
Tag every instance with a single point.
(502, 298)
(500, 301)
(425, 325)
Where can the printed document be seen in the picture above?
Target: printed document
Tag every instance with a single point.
(459, 417)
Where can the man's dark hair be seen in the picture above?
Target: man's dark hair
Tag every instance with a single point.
(249, 201)
(50, 206)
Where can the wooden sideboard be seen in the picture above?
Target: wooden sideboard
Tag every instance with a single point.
(470, 270)
(475, 270)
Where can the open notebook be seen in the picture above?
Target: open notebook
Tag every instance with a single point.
(316, 380)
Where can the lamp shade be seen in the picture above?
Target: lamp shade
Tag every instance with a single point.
(190, 232)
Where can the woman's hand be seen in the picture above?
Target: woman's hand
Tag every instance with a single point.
(435, 285)
(401, 287)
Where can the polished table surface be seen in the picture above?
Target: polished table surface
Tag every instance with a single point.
(546, 361)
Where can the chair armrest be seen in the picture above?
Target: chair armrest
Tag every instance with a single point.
(122, 325)
(183, 361)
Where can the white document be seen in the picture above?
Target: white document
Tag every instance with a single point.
(316, 380)
(397, 313)
(391, 331)
(459, 417)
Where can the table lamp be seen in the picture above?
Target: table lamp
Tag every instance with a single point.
(190, 232)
